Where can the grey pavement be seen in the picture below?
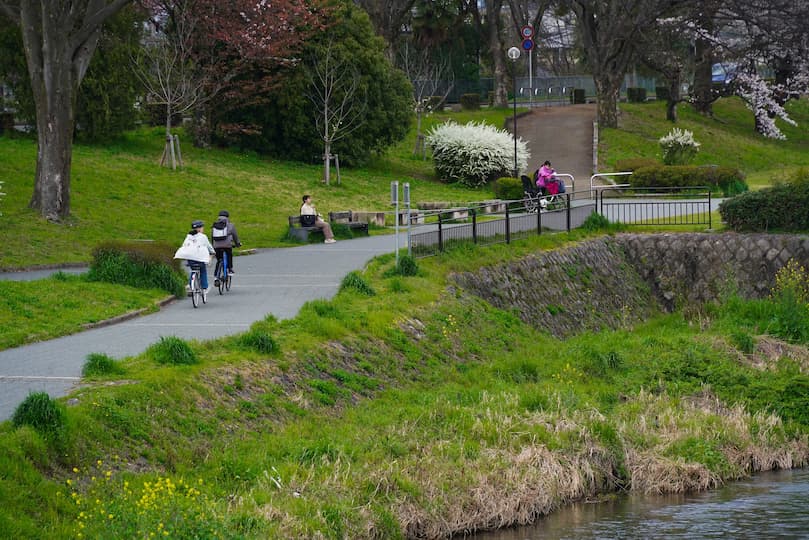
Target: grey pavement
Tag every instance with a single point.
(272, 281)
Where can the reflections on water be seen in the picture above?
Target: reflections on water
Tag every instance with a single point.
(770, 505)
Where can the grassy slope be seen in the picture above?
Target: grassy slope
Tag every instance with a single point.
(119, 192)
(360, 425)
(63, 304)
(727, 140)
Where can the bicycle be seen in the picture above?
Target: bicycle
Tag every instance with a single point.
(195, 287)
(222, 277)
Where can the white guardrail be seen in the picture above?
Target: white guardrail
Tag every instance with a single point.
(608, 177)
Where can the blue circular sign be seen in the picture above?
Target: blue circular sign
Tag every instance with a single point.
(528, 44)
(527, 31)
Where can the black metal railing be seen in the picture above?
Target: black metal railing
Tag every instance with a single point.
(492, 223)
(655, 206)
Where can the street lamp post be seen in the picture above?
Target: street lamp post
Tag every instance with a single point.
(514, 54)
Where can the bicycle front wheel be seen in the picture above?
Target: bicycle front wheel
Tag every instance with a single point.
(227, 282)
(196, 292)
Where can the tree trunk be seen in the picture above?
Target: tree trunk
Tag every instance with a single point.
(703, 93)
(54, 155)
(608, 90)
(54, 90)
(674, 98)
(327, 163)
(496, 51)
(201, 127)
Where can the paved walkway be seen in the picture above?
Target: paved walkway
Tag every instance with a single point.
(272, 281)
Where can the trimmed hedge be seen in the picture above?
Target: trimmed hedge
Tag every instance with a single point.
(662, 93)
(782, 208)
(148, 265)
(470, 102)
(508, 188)
(728, 180)
(633, 164)
(436, 103)
(636, 95)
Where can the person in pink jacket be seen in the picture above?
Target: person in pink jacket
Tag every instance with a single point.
(545, 174)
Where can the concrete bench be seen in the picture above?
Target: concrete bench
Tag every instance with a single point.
(299, 232)
(347, 218)
(416, 217)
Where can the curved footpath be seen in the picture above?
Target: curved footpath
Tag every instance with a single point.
(272, 281)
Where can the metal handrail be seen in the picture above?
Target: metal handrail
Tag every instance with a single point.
(608, 178)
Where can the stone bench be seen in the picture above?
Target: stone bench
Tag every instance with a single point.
(299, 232)
(346, 218)
(416, 217)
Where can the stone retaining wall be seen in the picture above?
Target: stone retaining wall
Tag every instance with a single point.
(616, 281)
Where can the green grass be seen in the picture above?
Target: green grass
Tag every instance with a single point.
(44, 309)
(118, 192)
(728, 139)
(365, 409)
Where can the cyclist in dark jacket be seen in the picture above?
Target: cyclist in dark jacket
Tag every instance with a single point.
(224, 236)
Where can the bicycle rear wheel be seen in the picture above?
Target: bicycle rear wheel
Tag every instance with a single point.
(196, 293)
(227, 282)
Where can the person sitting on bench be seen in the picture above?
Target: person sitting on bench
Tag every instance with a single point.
(310, 218)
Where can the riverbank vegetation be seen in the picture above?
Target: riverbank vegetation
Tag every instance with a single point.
(419, 411)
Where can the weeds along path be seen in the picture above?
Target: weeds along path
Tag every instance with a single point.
(564, 136)
(273, 281)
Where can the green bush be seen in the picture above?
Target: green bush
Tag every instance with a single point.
(172, 350)
(577, 96)
(100, 364)
(728, 180)
(508, 188)
(780, 208)
(470, 102)
(633, 164)
(662, 93)
(636, 95)
(595, 222)
(42, 413)
(407, 266)
(258, 340)
(149, 265)
(355, 281)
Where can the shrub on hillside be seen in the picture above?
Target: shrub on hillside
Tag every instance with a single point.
(728, 180)
(782, 208)
(508, 188)
(138, 264)
(679, 147)
(42, 413)
(355, 281)
(475, 153)
(258, 339)
(100, 364)
(633, 164)
(470, 102)
(172, 350)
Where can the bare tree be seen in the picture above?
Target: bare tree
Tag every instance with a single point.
(428, 77)
(334, 89)
(666, 48)
(165, 68)
(59, 39)
(609, 31)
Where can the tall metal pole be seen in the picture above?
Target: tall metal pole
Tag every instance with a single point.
(514, 54)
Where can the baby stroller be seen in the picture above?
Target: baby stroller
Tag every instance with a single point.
(532, 193)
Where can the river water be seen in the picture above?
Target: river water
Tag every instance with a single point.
(769, 505)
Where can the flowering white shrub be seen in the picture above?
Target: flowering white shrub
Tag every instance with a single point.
(474, 153)
(679, 147)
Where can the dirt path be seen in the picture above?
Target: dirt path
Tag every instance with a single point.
(563, 135)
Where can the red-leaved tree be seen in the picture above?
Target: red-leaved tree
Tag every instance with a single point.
(239, 47)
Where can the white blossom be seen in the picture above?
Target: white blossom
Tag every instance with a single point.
(474, 153)
(679, 147)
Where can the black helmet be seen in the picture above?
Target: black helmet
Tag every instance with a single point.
(224, 213)
(196, 224)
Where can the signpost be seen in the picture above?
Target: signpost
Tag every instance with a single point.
(527, 33)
